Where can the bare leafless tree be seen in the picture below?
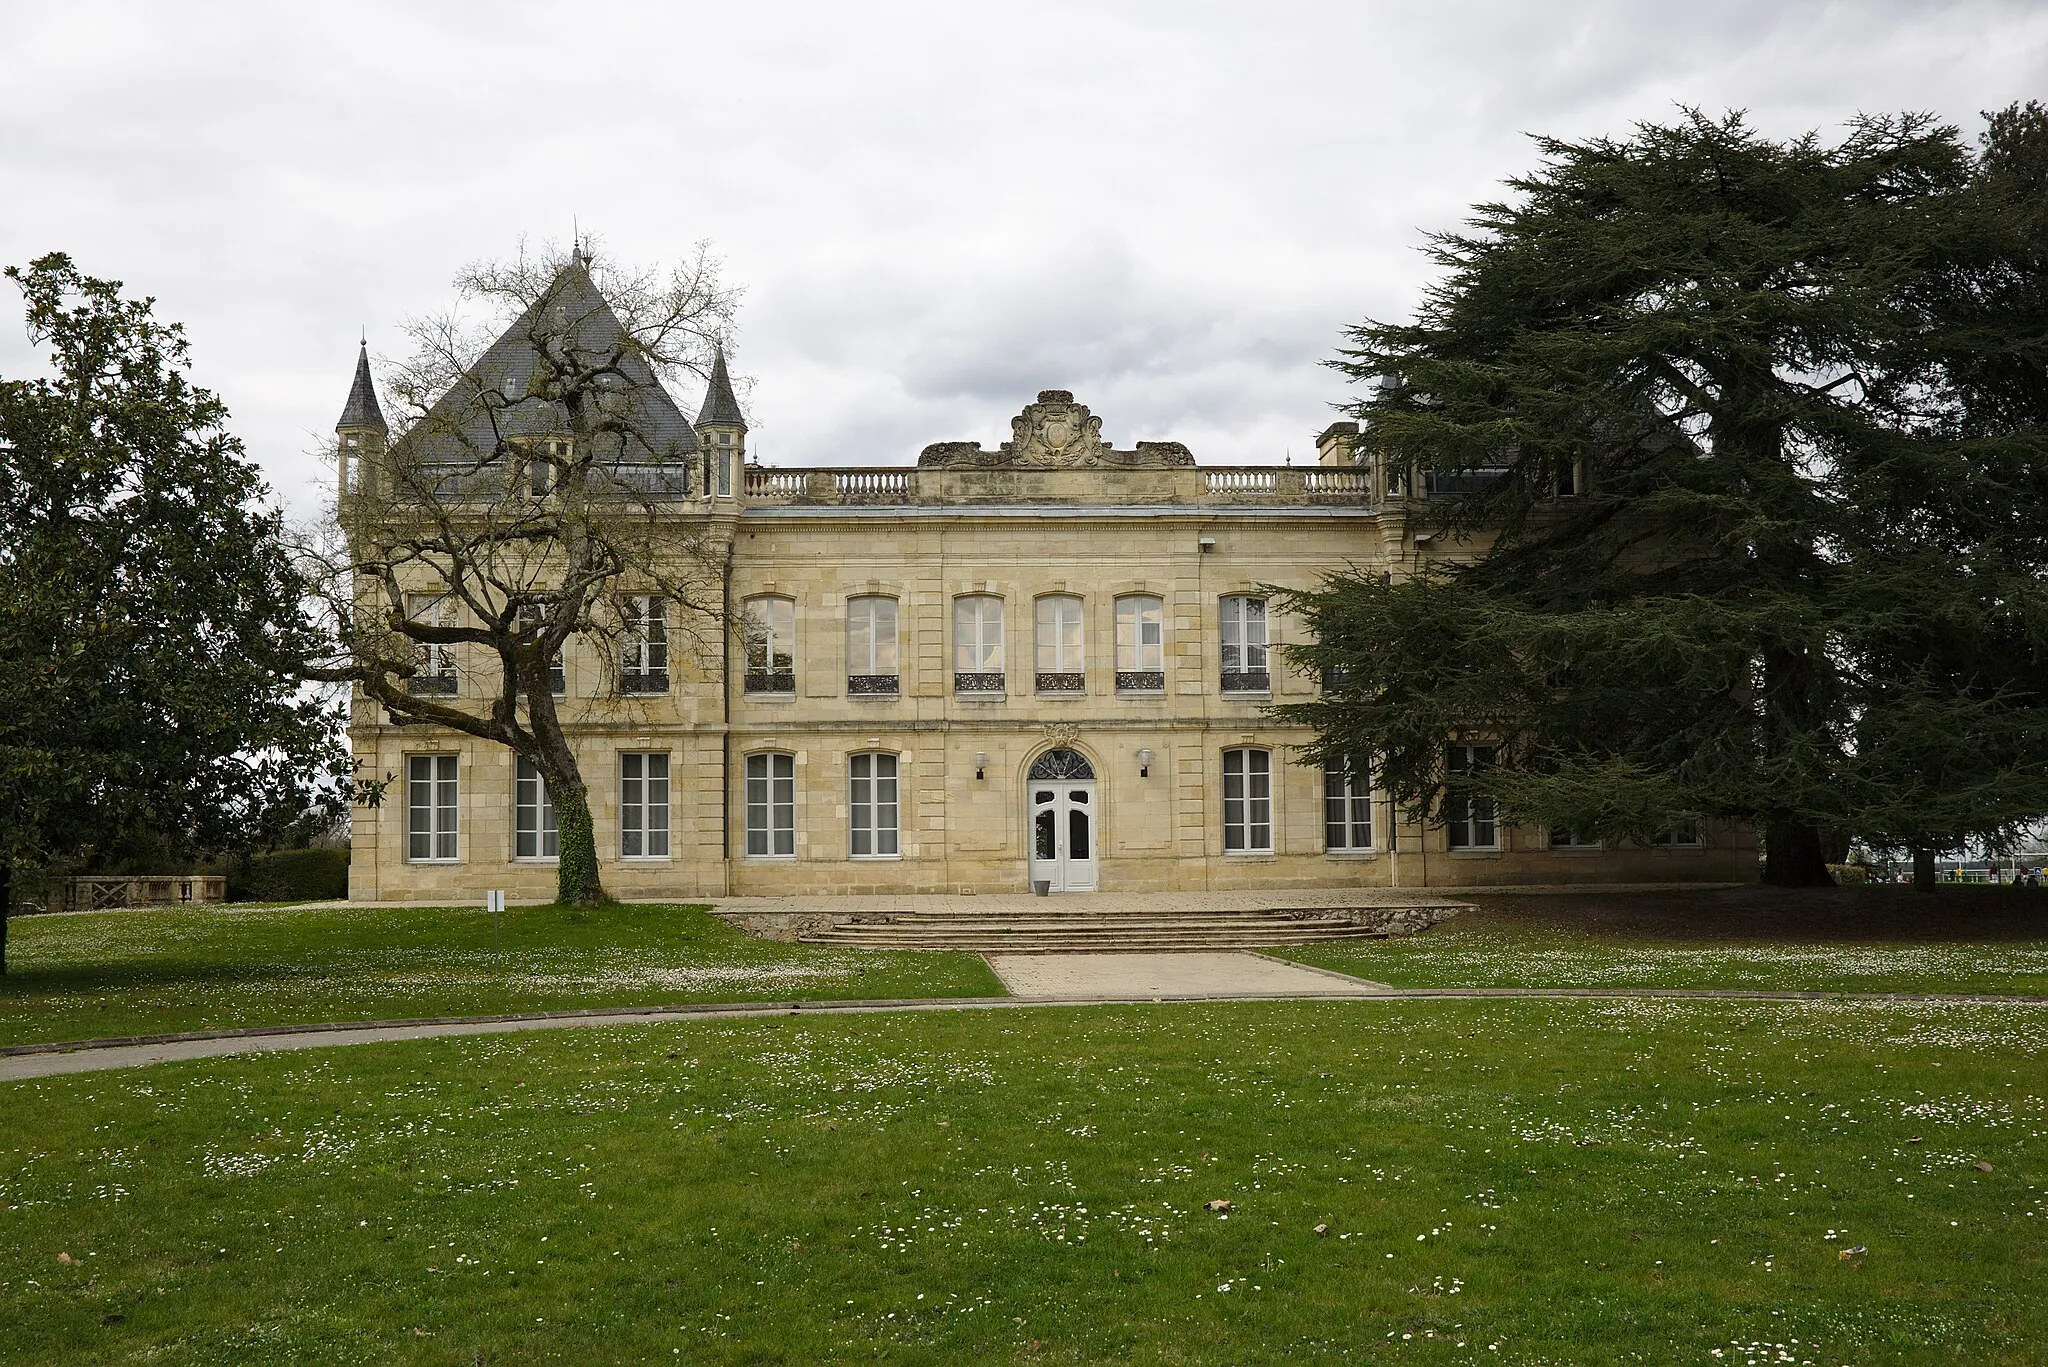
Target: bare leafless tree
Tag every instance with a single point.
(529, 499)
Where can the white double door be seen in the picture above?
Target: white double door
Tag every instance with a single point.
(1065, 831)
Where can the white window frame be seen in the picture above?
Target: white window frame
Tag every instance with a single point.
(1347, 792)
(978, 634)
(1059, 633)
(441, 775)
(873, 643)
(1249, 768)
(874, 791)
(1687, 835)
(1567, 841)
(536, 835)
(769, 797)
(644, 652)
(1244, 632)
(768, 635)
(645, 801)
(1138, 616)
(1468, 815)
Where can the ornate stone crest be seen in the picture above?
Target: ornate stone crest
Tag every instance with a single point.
(1062, 733)
(1055, 432)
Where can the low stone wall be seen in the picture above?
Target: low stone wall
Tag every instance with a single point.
(1390, 921)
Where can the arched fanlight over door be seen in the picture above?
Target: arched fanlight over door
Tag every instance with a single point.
(1059, 766)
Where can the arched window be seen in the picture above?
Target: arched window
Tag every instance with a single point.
(1140, 644)
(771, 805)
(1347, 804)
(978, 644)
(871, 662)
(872, 806)
(1060, 666)
(1247, 801)
(769, 635)
(1061, 766)
(1243, 622)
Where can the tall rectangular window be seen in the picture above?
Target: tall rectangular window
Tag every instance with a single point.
(534, 834)
(643, 806)
(643, 664)
(871, 661)
(1347, 805)
(1140, 643)
(768, 630)
(1470, 815)
(1058, 638)
(873, 806)
(771, 805)
(532, 620)
(1684, 834)
(1243, 622)
(724, 459)
(1247, 801)
(978, 644)
(431, 804)
(436, 672)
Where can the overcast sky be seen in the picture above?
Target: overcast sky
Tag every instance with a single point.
(937, 210)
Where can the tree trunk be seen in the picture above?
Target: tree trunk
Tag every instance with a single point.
(6, 903)
(1794, 857)
(1924, 873)
(576, 879)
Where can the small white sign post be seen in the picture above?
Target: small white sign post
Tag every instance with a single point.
(494, 903)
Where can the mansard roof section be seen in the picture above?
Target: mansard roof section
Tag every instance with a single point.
(1054, 433)
(514, 391)
(361, 411)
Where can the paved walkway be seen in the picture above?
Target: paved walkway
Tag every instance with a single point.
(1163, 977)
(23, 1061)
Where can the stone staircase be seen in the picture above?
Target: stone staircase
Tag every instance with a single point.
(1113, 925)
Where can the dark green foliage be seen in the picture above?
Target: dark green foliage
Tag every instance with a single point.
(290, 876)
(150, 623)
(1798, 391)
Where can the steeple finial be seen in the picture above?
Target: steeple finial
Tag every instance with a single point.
(720, 407)
(361, 411)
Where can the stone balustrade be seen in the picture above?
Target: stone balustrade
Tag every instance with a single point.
(1240, 485)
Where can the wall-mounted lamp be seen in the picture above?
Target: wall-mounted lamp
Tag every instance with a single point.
(980, 762)
(1144, 764)
(1207, 543)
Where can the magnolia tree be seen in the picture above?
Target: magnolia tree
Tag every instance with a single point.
(525, 506)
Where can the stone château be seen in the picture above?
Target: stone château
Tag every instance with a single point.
(1051, 660)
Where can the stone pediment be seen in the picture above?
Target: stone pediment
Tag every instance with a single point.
(1054, 434)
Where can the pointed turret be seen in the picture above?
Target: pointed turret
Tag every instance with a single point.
(361, 432)
(722, 429)
(361, 413)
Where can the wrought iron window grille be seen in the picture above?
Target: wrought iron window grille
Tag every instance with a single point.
(873, 685)
(644, 681)
(977, 683)
(1247, 681)
(1062, 681)
(1141, 681)
(771, 682)
(428, 685)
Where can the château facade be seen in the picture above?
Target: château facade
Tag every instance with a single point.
(1051, 661)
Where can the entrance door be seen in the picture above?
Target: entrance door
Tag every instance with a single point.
(1065, 821)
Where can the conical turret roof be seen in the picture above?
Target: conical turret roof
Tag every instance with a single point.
(720, 406)
(361, 409)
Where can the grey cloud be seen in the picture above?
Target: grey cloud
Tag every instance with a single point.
(1170, 208)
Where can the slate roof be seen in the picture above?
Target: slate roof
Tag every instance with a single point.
(719, 404)
(493, 399)
(361, 409)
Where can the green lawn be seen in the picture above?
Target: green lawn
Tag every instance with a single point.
(133, 972)
(1501, 1181)
(1879, 940)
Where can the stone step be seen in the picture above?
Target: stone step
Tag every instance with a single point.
(1053, 941)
